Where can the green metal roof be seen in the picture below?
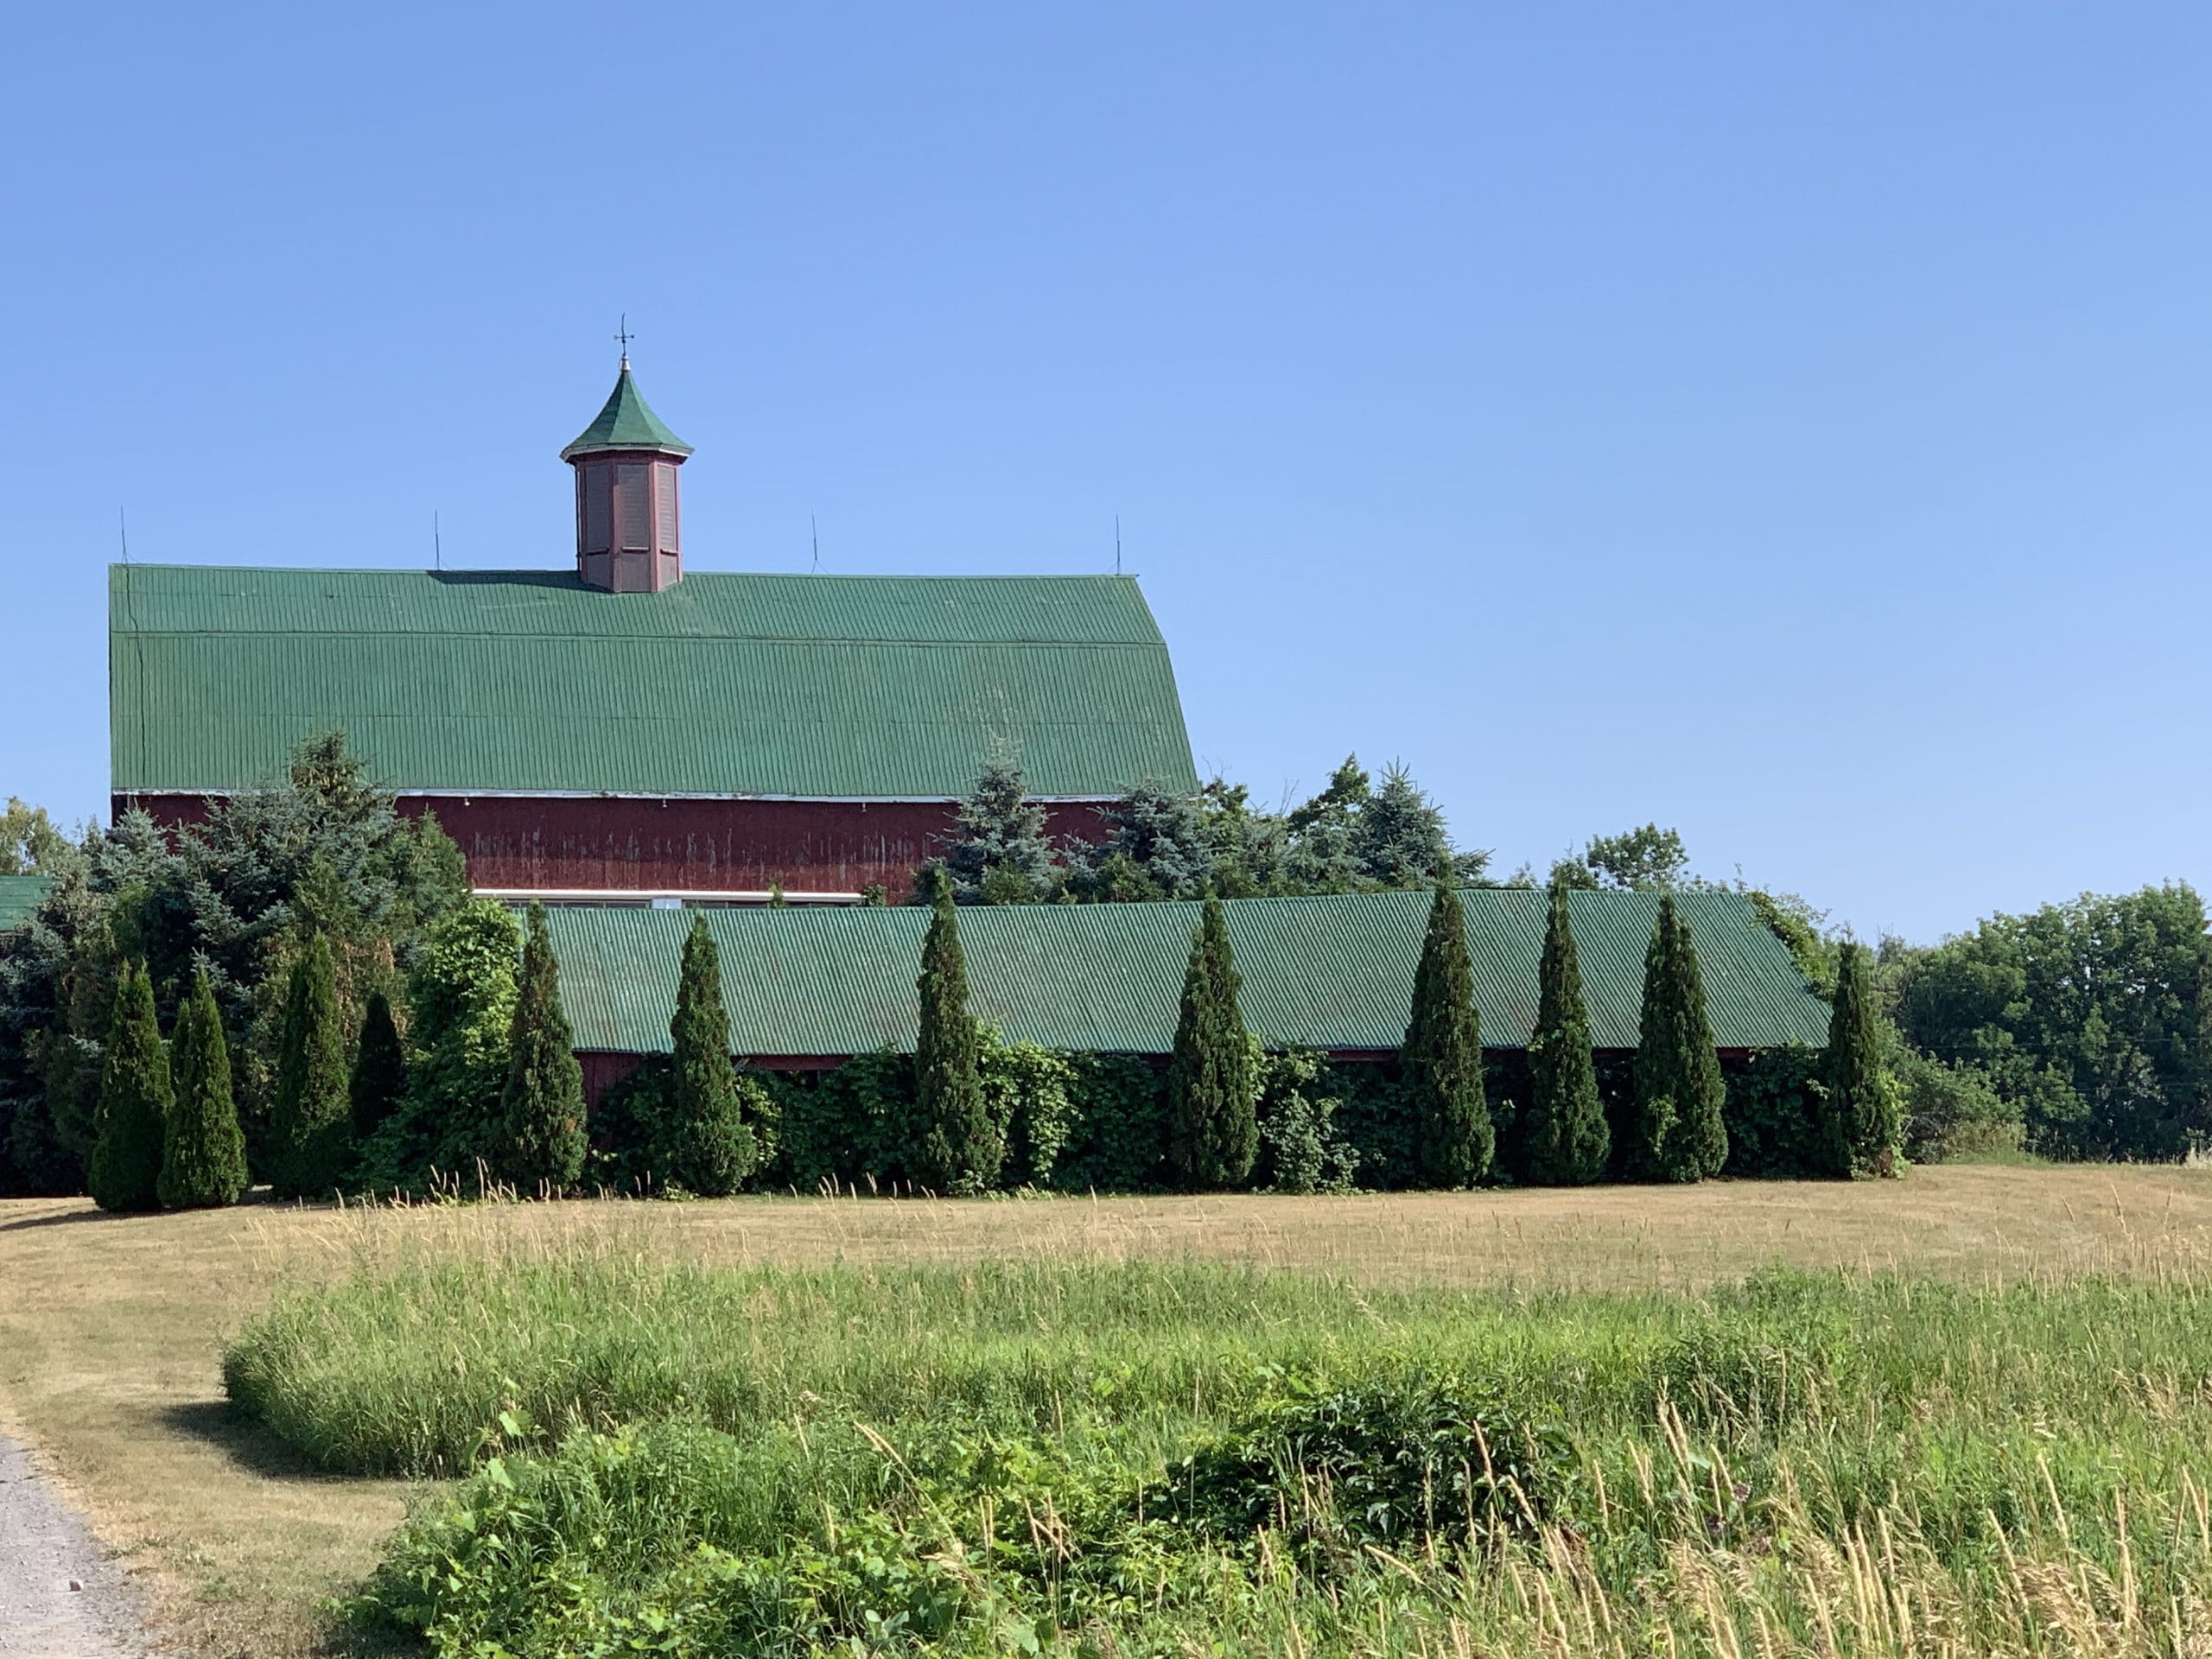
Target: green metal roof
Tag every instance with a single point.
(1333, 972)
(528, 682)
(19, 896)
(626, 422)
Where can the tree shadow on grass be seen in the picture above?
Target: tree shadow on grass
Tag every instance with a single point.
(250, 1445)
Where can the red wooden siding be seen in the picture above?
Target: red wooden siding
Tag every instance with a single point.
(614, 843)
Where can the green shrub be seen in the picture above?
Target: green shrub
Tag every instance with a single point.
(703, 1144)
(311, 1123)
(203, 1153)
(134, 1100)
(1442, 1058)
(1117, 1141)
(1213, 1134)
(541, 1139)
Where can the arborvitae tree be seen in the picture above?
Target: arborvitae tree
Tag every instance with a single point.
(203, 1154)
(541, 1142)
(1213, 1082)
(1858, 1126)
(125, 1168)
(379, 1079)
(958, 1147)
(310, 1124)
(1443, 1053)
(1680, 1135)
(705, 1146)
(1568, 1140)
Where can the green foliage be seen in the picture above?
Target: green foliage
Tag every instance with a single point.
(1301, 1150)
(1680, 1134)
(998, 852)
(1117, 1141)
(1442, 1058)
(311, 1123)
(1648, 860)
(135, 1100)
(540, 1139)
(30, 844)
(1566, 1141)
(1953, 1112)
(203, 1151)
(236, 896)
(379, 1081)
(461, 993)
(1856, 1127)
(1773, 1097)
(705, 1146)
(1797, 924)
(2092, 1020)
(1374, 1118)
(1028, 1092)
(1212, 1080)
(957, 1148)
(850, 1128)
(1084, 1458)
(1350, 837)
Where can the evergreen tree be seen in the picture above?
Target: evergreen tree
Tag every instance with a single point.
(998, 852)
(958, 1147)
(203, 1154)
(125, 1168)
(705, 1145)
(541, 1145)
(1568, 1140)
(1679, 1134)
(379, 1079)
(1213, 1081)
(1858, 1125)
(1443, 1053)
(309, 1124)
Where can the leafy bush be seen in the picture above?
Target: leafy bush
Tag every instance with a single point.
(1300, 1150)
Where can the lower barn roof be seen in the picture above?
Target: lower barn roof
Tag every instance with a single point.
(19, 896)
(523, 681)
(1328, 972)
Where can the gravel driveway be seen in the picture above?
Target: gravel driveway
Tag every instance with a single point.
(61, 1597)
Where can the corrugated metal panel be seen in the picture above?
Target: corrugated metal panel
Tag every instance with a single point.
(1331, 972)
(19, 896)
(869, 687)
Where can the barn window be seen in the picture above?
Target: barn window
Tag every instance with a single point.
(665, 489)
(634, 486)
(597, 483)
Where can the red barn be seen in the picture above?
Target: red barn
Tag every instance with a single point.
(624, 731)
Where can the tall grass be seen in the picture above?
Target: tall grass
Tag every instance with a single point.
(1006, 1457)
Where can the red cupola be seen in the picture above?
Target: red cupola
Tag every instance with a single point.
(629, 530)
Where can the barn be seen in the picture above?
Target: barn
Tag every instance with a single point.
(622, 731)
(1334, 972)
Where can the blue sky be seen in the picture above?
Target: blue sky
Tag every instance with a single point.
(1787, 423)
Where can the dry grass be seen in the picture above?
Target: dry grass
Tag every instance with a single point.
(111, 1328)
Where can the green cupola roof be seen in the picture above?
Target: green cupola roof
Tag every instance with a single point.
(625, 423)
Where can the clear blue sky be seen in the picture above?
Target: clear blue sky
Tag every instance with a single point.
(1788, 423)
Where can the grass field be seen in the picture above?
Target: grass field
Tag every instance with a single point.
(112, 1330)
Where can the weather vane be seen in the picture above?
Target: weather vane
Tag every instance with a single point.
(622, 334)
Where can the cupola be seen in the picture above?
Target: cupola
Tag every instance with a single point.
(629, 530)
